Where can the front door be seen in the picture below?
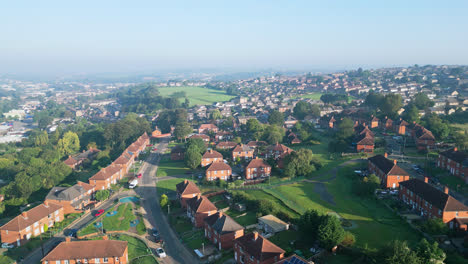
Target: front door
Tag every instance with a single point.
(394, 185)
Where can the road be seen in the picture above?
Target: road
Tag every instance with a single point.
(176, 251)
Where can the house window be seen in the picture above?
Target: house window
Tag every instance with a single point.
(97, 260)
(28, 229)
(116, 258)
(57, 262)
(106, 260)
(456, 213)
(36, 224)
(65, 262)
(440, 212)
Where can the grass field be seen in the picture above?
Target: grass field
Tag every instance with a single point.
(461, 127)
(118, 222)
(198, 95)
(168, 186)
(169, 167)
(369, 216)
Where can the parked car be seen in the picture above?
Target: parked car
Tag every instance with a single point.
(7, 245)
(155, 234)
(149, 145)
(133, 183)
(71, 233)
(98, 212)
(160, 252)
(139, 175)
(155, 149)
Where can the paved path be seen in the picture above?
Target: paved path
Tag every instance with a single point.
(176, 251)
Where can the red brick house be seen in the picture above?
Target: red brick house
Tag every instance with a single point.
(107, 176)
(255, 249)
(206, 128)
(223, 135)
(218, 170)
(242, 151)
(198, 208)
(222, 230)
(186, 190)
(328, 123)
(431, 202)
(257, 168)
(374, 122)
(76, 160)
(387, 124)
(88, 251)
(74, 199)
(456, 162)
(388, 171)
(177, 153)
(365, 143)
(204, 137)
(423, 138)
(226, 145)
(125, 161)
(275, 151)
(211, 156)
(399, 126)
(31, 223)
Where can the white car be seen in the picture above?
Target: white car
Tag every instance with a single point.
(7, 245)
(160, 252)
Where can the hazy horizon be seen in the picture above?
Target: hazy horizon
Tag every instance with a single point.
(91, 37)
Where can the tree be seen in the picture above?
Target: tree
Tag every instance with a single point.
(163, 201)
(254, 128)
(102, 195)
(421, 101)
(391, 104)
(411, 113)
(398, 252)
(373, 99)
(330, 232)
(70, 143)
(193, 157)
(345, 129)
(276, 118)
(308, 225)
(302, 109)
(348, 239)
(216, 114)
(299, 163)
(435, 226)
(430, 253)
(182, 129)
(273, 134)
(196, 143)
(41, 139)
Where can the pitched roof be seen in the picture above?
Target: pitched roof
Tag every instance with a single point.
(242, 148)
(200, 203)
(208, 126)
(259, 247)
(70, 161)
(35, 214)
(374, 119)
(434, 196)
(218, 165)
(255, 144)
(222, 223)
(401, 122)
(387, 166)
(210, 154)
(280, 147)
(257, 163)
(226, 144)
(455, 155)
(87, 249)
(187, 187)
(364, 139)
(107, 172)
(68, 193)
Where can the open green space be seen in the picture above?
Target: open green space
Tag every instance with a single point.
(461, 127)
(180, 224)
(453, 182)
(313, 96)
(168, 186)
(243, 218)
(118, 222)
(169, 167)
(194, 239)
(197, 95)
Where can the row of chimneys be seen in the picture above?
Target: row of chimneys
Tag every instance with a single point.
(446, 189)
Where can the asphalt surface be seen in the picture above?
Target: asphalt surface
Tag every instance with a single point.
(175, 250)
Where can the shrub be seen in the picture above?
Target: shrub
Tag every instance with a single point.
(348, 239)
(435, 226)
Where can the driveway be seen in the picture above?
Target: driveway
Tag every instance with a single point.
(175, 250)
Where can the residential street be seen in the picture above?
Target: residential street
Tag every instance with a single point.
(176, 251)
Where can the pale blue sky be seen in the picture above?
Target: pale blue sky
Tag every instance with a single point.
(105, 36)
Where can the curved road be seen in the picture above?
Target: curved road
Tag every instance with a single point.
(176, 251)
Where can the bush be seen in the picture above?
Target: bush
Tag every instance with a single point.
(348, 239)
(435, 226)
(266, 207)
(102, 195)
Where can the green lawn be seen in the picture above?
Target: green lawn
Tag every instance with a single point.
(169, 167)
(283, 239)
(167, 186)
(197, 95)
(453, 182)
(118, 222)
(249, 218)
(461, 127)
(180, 224)
(313, 96)
(194, 239)
(136, 248)
(370, 216)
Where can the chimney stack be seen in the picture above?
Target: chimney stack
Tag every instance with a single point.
(46, 203)
(385, 155)
(255, 234)
(198, 196)
(185, 181)
(24, 214)
(105, 237)
(220, 214)
(426, 179)
(395, 161)
(455, 149)
(446, 189)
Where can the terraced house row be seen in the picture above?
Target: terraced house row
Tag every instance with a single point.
(65, 200)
